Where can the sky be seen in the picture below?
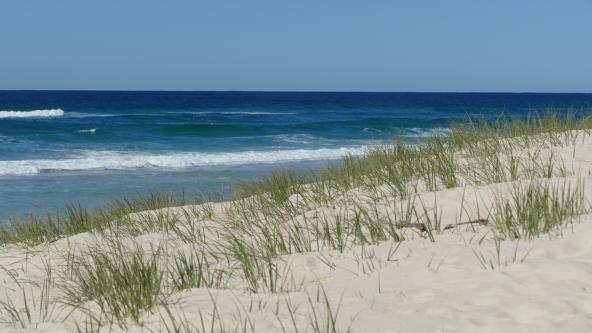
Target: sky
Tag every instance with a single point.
(318, 45)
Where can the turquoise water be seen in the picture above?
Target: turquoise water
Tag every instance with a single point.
(59, 147)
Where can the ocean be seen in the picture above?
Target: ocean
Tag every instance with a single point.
(86, 147)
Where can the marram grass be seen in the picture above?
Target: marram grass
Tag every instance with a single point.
(269, 218)
(537, 208)
(77, 219)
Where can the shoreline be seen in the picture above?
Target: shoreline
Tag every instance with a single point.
(199, 184)
(482, 229)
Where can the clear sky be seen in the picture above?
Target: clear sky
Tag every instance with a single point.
(317, 45)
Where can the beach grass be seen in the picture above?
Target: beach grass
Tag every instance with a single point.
(490, 151)
(77, 219)
(121, 282)
(363, 201)
(538, 208)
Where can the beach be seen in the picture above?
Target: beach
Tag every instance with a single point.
(301, 167)
(61, 148)
(484, 228)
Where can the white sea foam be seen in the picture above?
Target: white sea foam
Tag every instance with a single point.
(197, 113)
(91, 130)
(32, 114)
(428, 132)
(111, 160)
(370, 129)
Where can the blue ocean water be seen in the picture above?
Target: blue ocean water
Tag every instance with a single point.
(59, 147)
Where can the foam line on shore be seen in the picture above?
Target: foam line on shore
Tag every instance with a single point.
(112, 160)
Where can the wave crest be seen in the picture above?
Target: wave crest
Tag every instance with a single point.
(110, 160)
(32, 114)
(90, 130)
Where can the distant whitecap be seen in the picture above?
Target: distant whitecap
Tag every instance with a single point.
(90, 130)
(32, 114)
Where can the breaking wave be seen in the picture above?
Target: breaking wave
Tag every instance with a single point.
(32, 114)
(112, 160)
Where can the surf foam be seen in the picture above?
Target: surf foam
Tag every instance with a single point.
(32, 114)
(110, 160)
(91, 130)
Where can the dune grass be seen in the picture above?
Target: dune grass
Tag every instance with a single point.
(77, 219)
(538, 208)
(121, 282)
(334, 209)
(491, 147)
(490, 151)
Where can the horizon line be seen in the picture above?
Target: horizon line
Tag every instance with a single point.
(294, 91)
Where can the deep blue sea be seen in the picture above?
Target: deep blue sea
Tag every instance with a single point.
(59, 147)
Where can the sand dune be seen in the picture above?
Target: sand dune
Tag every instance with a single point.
(466, 277)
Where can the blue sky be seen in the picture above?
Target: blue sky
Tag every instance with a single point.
(517, 46)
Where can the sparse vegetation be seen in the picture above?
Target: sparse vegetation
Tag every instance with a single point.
(383, 196)
(122, 282)
(538, 208)
(39, 229)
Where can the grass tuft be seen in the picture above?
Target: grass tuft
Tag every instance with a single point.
(537, 208)
(122, 283)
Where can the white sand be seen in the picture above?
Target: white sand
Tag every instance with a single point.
(541, 285)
